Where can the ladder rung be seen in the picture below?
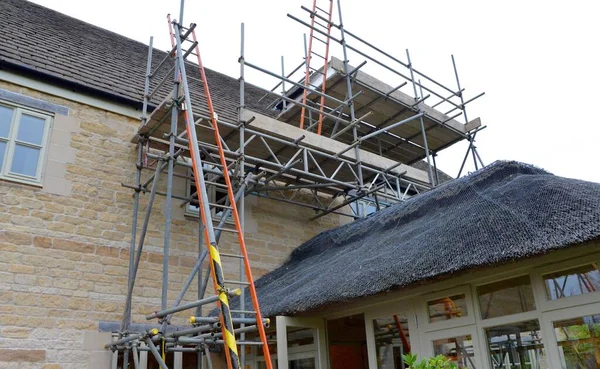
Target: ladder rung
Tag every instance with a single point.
(231, 255)
(236, 282)
(226, 229)
(320, 56)
(315, 70)
(322, 25)
(213, 205)
(321, 10)
(318, 39)
(216, 184)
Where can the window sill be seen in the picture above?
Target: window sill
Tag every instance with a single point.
(22, 181)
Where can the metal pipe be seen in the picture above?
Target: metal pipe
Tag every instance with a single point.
(208, 300)
(141, 244)
(351, 125)
(126, 358)
(358, 197)
(391, 126)
(199, 329)
(292, 82)
(462, 102)
(156, 354)
(119, 342)
(136, 357)
(206, 319)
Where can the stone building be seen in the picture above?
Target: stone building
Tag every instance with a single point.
(511, 286)
(68, 114)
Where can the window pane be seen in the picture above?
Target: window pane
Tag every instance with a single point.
(31, 129)
(2, 151)
(392, 340)
(447, 308)
(25, 160)
(517, 345)
(572, 282)
(300, 336)
(511, 296)
(579, 342)
(6, 114)
(458, 349)
(308, 363)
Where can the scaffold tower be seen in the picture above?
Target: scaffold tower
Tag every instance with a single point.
(336, 139)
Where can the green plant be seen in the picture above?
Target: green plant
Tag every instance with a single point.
(438, 362)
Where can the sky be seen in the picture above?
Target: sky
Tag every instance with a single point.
(538, 62)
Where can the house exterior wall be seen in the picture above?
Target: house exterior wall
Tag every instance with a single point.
(412, 304)
(64, 247)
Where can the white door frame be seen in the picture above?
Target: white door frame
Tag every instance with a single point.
(320, 339)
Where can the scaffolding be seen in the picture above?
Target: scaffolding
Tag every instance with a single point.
(335, 138)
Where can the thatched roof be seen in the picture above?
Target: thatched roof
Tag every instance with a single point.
(504, 212)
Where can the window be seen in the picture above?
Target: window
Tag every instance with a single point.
(23, 142)
(458, 349)
(516, 345)
(579, 342)
(511, 296)
(447, 308)
(217, 194)
(392, 340)
(572, 282)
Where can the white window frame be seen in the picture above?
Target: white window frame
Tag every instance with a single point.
(12, 141)
(547, 325)
(190, 211)
(450, 323)
(318, 350)
(428, 338)
(545, 304)
(406, 308)
(505, 319)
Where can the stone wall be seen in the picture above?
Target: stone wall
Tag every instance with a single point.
(64, 251)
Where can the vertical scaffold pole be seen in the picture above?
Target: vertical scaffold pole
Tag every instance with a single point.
(416, 95)
(241, 174)
(349, 98)
(136, 195)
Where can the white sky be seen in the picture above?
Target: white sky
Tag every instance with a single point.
(537, 61)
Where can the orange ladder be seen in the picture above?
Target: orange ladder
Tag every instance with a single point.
(313, 50)
(228, 333)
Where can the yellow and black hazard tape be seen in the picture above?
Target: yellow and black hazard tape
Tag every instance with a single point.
(228, 333)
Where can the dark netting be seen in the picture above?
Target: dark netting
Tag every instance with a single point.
(504, 212)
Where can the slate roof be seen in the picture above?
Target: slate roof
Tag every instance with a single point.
(39, 40)
(67, 51)
(504, 212)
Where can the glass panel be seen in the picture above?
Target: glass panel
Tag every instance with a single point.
(307, 363)
(511, 296)
(572, 282)
(31, 129)
(25, 160)
(458, 349)
(300, 336)
(6, 114)
(517, 345)
(2, 151)
(579, 342)
(447, 308)
(392, 340)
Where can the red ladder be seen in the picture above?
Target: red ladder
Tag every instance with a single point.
(324, 56)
